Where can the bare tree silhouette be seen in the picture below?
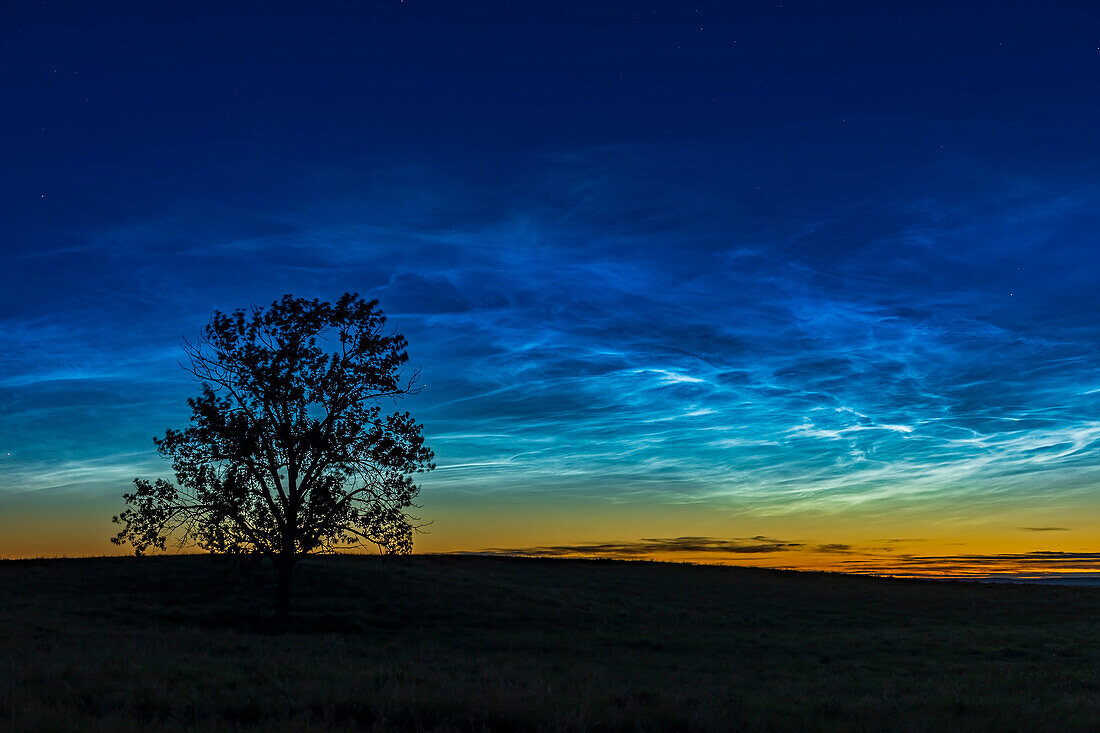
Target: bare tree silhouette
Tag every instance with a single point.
(288, 451)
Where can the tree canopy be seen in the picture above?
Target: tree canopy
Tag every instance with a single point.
(288, 450)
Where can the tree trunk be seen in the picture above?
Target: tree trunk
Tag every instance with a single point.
(283, 569)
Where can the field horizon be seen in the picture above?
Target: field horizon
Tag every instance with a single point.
(1087, 579)
(460, 642)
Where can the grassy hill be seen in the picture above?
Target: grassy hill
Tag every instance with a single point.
(473, 643)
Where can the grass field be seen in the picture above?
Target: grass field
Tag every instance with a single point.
(474, 643)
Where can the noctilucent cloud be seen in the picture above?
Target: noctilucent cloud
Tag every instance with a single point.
(787, 284)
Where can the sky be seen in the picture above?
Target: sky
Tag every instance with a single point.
(789, 284)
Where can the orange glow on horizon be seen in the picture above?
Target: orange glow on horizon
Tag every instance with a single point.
(919, 547)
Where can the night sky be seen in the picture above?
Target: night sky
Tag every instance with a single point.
(783, 283)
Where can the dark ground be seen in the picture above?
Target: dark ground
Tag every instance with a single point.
(473, 643)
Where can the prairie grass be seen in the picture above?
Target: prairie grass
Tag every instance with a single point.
(449, 643)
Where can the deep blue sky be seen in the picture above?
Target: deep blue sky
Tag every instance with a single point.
(831, 262)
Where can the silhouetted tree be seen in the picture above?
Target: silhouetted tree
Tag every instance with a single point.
(288, 451)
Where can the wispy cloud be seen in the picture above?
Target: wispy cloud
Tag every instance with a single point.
(584, 330)
(829, 556)
(661, 546)
(1025, 565)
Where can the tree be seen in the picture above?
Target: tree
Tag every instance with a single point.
(288, 451)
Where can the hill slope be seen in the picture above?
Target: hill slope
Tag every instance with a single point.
(471, 643)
